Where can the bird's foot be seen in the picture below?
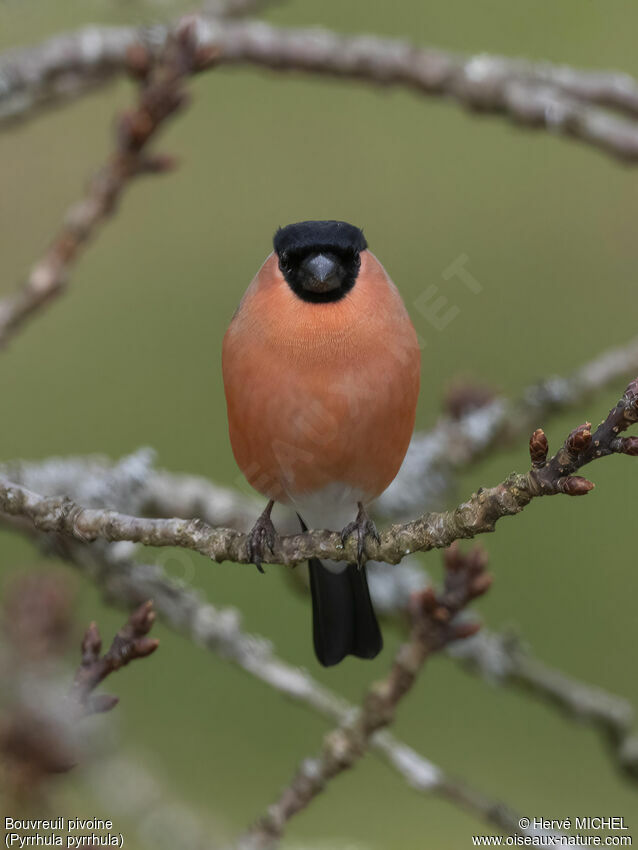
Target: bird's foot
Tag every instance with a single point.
(261, 536)
(362, 527)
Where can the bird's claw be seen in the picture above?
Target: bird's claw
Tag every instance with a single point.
(362, 526)
(261, 536)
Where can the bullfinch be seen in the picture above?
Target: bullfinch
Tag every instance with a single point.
(321, 368)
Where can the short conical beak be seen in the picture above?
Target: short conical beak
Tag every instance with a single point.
(321, 273)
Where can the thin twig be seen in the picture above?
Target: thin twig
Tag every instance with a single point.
(428, 474)
(130, 643)
(40, 730)
(478, 515)
(161, 96)
(128, 583)
(133, 485)
(559, 99)
(425, 480)
(503, 659)
(434, 625)
(220, 631)
(499, 658)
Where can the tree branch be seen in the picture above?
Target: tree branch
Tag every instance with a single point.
(575, 103)
(133, 485)
(161, 96)
(425, 480)
(498, 658)
(557, 98)
(502, 659)
(427, 475)
(434, 625)
(478, 515)
(128, 583)
(130, 643)
(545, 96)
(40, 730)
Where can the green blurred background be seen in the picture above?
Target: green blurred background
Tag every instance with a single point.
(131, 357)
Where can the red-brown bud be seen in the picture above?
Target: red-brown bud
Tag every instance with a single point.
(627, 445)
(453, 558)
(538, 448)
(144, 646)
(631, 393)
(574, 485)
(422, 601)
(138, 60)
(481, 584)
(477, 559)
(579, 439)
(441, 614)
(142, 618)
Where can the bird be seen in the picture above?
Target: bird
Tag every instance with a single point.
(321, 370)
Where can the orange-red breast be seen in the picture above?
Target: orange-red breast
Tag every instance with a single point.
(321, 373)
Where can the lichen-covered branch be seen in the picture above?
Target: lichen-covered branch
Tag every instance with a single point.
(434, 625)
(161, 95)
(133, 485)
(504, 660)
(40, 730)
(576, 103)
(127, 583)
(427, 476)
(478, 515)
(559, 99)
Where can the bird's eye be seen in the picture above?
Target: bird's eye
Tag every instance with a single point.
(351, 256)
(352, 260)
(284, 263)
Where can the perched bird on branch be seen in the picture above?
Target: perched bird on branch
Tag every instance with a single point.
(321, 372)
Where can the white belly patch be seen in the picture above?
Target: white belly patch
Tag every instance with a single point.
(331, 508)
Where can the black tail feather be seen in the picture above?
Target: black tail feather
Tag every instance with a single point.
(368, 641)
(343, 619)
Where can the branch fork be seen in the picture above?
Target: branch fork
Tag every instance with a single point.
(582, 447)
(130, 643)
(435, 624)
(478, 515)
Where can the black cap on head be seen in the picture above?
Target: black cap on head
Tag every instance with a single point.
(320, 259)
